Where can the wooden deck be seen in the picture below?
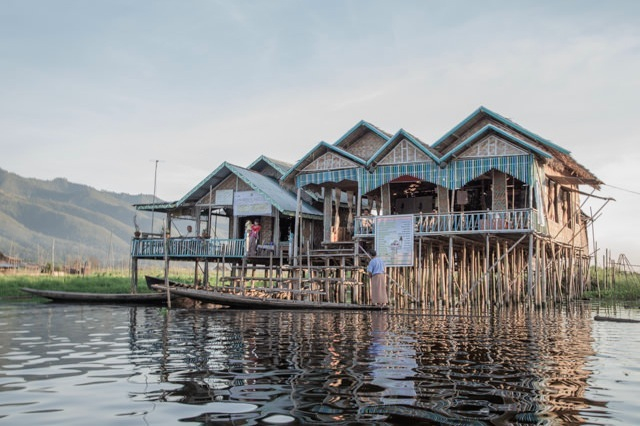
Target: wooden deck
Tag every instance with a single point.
(425, 225)
(462, 223)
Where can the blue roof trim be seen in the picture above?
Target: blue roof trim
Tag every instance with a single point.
(283, 200)
(329, 147)
(504, 121)
(521, 129)
(300, 161)
(198, 186)
(361, 123)
(270, 162)
(491, 128)
(404, 134)
(345, 154)
(457, 127)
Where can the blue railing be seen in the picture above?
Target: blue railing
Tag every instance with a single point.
(188, 247)
(496, 221)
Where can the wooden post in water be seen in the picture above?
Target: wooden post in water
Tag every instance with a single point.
(450, 275)
(530, 270)
(487, 295)
(195, 274)
(296, 227)
(166, 269)
(134, 275)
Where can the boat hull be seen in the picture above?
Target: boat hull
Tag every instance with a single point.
(250, 302)
(79, 297)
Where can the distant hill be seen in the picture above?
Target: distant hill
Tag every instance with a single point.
(82, 223)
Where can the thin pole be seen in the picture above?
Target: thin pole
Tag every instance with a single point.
(153, 206)
(210, 212)
(166, 269)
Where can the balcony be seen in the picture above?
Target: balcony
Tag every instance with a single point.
(472, 222)
(188, 248)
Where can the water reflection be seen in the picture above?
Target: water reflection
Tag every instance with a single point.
(65, 364)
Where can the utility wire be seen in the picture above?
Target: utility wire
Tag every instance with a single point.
(621, 189)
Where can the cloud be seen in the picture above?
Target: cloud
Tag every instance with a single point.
(97, 100)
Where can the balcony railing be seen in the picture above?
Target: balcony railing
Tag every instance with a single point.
(473, 222)
(188, 247)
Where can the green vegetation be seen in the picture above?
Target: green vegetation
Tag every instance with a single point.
(10, 285)
(105, 282)
(618, 287)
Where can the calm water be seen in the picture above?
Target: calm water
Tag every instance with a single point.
(80, 365)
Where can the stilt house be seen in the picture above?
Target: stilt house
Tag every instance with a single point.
(488, 213)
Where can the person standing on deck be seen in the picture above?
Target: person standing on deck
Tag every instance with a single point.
(254, 235)
(247, 233)
(376, 270)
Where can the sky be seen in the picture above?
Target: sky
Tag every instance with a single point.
(97, 91)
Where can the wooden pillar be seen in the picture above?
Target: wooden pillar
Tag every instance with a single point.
(487, 249)
(206, 273)
(420, 279)
(443, 199)
(530, 268)
(538, 273)
(326, 220)
(296, 227)
(499, 276)
(195, 274)
(386, 199)
(198, 211)
(543, 267)
(336, 219)
(234, 229)
(276, 230)
(499, 192)
(450, 275)
(134, 275)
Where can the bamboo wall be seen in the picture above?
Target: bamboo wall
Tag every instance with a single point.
(497, 272)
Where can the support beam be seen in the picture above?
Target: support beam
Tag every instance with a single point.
(296, 227)
(326, 220)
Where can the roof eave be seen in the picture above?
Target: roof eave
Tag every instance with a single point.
(488, 129)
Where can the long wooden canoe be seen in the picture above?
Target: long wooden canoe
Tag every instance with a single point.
(79, 297)
(615, 319)
(157, 281)
(252, 302)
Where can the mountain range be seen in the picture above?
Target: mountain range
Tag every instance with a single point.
(62, 222)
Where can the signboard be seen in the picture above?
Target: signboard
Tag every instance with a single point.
(250, 203)
(224, 197)
(394, 239)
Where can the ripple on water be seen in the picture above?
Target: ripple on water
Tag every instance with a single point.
(270, 367)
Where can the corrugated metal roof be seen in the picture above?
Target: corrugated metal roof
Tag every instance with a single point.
(279, 197)
(282, 199)
(200, 190)
(281, 166)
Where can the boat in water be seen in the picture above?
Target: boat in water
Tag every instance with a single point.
(255, 298)
(156, 298)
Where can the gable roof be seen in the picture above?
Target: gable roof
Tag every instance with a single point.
(201, 189)
(280, 166)
(489, 129)
(320, 149)
(446, 142)
(358, 130)
(395, 139)
(279, 197)
(283, 200)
